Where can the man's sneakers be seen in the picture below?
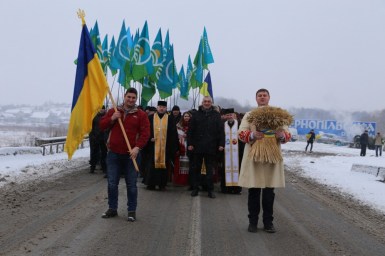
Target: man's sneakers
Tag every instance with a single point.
(269, 228)
(195, 192)
(131, 216)
(211, 194)
(110, 213)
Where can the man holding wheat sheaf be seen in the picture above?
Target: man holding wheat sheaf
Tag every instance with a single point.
(263, 130)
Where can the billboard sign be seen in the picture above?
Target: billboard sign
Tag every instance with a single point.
(362, 126)
(326, 126)
(338, 128)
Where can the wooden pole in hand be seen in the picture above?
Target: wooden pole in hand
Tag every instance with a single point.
(123, 131)
(81, 15)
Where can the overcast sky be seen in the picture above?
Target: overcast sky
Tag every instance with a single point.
(327, 54)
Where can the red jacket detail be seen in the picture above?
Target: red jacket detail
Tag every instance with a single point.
(137, 128)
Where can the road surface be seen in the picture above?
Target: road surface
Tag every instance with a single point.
(62, 216)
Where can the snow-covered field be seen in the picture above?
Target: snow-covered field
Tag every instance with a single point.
(19, 164)
(336, 170)
(18, 138)
(329, 164)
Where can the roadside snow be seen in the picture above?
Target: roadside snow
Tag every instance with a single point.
(336, 171)
(19, 164)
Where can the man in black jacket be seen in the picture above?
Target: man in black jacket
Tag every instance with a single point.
(310, 140)
(98, 148)
(205, 138)
(364, 141)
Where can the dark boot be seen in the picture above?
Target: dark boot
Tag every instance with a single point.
(195, 192)
(252, 228)
(211, 194)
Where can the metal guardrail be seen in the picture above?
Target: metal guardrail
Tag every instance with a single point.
(378, 171)
(55, 144)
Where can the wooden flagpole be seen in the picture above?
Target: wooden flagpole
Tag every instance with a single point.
(123, 130)
(81, 15)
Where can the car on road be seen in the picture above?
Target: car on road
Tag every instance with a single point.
(329, 138)
(356, 142)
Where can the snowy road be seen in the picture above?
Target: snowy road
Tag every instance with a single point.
(62, 217)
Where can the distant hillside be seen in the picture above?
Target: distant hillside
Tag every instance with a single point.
(51, 114)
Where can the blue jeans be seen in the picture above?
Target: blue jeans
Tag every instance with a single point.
(378, 150)
(121, 164)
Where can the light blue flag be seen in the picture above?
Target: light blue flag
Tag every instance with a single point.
(148, 90)
(130, 42)
(121, 57)
(166, 45)
(121, 54)
(174, 71)
(207, 54)
(133, 43)
(189, 68)
(111, 56)
(198, 69)
(189, 72)
(105, 58)
(136, 39)
(183, 84)
(142, 56)
(95, 37)
(157, 56)
(165, 82)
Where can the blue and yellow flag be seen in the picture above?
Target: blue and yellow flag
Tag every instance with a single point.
(89, 92)
(207, 88)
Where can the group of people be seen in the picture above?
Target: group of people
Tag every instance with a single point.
(363, 139)
(364, 142)
(196, 147)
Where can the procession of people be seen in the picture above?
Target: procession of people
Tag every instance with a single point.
(195, 149)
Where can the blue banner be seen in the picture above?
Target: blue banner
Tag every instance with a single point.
(338, 128)
(362, 126)
(326, 126)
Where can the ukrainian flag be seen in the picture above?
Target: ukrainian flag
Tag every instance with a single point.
(207, 88)
(90, 90)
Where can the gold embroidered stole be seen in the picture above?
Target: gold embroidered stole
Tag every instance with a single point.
(203, 169)
(160, 136)
(231, 154)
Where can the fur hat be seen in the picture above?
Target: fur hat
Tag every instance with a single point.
(175, 108)
(227, 111)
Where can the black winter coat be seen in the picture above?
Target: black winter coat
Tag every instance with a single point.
(311, 138)
(206, 131)
(364, 139)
